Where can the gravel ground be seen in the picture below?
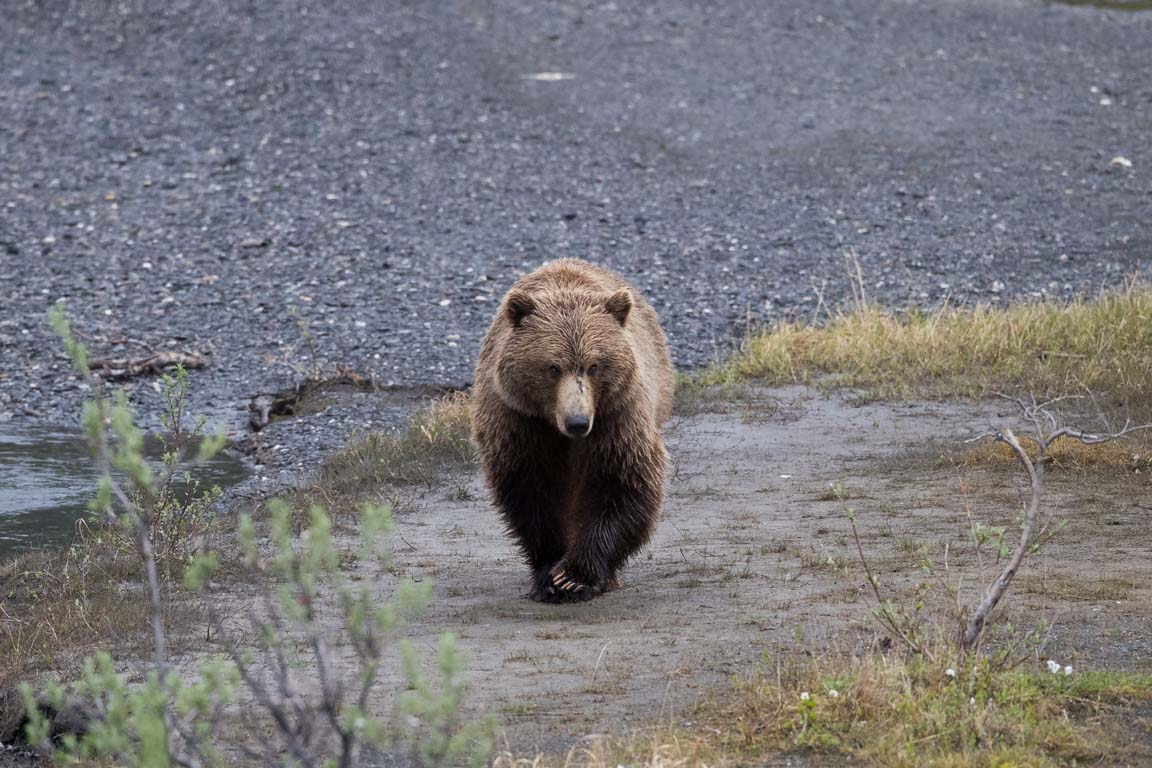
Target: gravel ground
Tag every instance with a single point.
(186, 173)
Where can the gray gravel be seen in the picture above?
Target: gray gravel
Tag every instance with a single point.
(186, 172)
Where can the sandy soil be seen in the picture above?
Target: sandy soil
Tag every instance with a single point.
(752, 559)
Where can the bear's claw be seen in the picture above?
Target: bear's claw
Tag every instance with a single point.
(556, 584)
(566, 588)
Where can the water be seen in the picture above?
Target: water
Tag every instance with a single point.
(47, 478)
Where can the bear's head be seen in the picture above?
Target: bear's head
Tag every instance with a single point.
(566, 355)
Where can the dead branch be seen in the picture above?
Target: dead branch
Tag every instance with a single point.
(975, 628)
(1039, 415)
(155, 363)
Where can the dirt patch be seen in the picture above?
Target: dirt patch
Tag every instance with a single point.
(753, 558)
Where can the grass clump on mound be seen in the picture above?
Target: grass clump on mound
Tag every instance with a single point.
(437, 438)
(1102, 345)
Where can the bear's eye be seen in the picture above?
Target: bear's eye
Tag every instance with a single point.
(592, 370)
(554, 370)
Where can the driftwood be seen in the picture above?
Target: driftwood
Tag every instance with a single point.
(156, 362)
(265, 407)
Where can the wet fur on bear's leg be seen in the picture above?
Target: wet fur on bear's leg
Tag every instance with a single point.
(526, 500)
(620, 508)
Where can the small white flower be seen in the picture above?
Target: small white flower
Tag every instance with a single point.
(1067, 670)
(834, 693)
(950, 672)
(972, 701)
(804, 696)
(1053, 667)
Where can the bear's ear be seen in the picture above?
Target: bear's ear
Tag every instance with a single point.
(619, 305)
(518, 305)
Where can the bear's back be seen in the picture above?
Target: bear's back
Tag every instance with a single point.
(573, 274)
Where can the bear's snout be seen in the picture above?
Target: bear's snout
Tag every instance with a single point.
(574, 407)
(577, 426)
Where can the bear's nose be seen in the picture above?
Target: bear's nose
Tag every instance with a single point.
(577, 426)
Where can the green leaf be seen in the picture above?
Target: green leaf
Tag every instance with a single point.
(201, 568)
(210, 446)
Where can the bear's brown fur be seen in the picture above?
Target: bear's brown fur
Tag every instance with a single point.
(572, 386)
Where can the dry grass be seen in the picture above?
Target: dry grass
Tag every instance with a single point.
(58, 606)
(893, 712)
(662, 748)
(1090, 588)
(1103, 345)
(1130, 455)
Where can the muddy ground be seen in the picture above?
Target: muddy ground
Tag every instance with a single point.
(753, 561)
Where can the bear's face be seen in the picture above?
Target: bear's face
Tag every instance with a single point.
(566, 356)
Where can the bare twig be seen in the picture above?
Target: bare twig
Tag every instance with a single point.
(883, 607)
(599, 658)
(1040, 416)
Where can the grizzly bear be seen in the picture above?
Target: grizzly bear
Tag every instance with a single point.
(572, 386)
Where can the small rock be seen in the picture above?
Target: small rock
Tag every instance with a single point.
(254, 242)
(549, 77)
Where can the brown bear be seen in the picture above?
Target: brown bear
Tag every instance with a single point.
(572, 386)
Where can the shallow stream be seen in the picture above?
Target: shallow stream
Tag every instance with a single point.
(47, 478)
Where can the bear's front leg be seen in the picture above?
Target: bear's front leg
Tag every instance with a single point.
(526, 496)
(620, 506)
